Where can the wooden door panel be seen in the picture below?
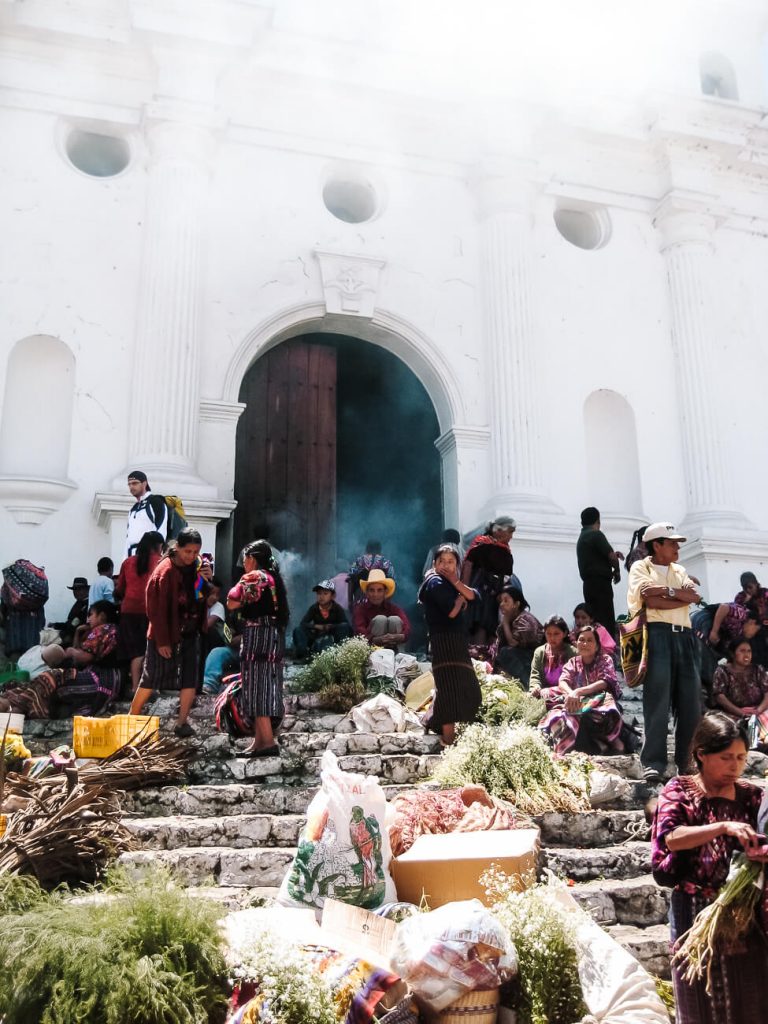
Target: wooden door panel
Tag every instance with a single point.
(286, 457)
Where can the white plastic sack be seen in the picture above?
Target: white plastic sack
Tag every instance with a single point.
(385, 714)
(381, 664)
(438, 954)
(344, 850)
(50, 635)
(406, 669)
(31, 661)
(616, 988)
(605, 787)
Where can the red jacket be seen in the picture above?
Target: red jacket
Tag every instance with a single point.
(164, 593)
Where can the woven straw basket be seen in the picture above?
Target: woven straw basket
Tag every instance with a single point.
(480, 1007)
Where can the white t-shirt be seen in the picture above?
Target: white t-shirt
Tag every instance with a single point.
(216, 611)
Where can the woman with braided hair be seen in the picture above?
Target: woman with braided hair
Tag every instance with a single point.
(261, 600)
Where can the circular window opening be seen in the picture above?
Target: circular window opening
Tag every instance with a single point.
(587, 229)
(101, 156)
(350, 200)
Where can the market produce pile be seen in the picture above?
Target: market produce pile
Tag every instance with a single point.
(504, 699)
(515, 764)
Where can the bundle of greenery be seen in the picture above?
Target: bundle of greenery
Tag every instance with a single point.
(505, 701)
(514, 763)
(547, 989)
(338, 675)
(131, 951)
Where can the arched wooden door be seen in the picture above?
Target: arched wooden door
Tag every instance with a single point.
(286, 461)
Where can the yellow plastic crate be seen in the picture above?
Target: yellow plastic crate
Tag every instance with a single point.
(100, 737)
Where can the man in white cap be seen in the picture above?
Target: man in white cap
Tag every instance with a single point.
(665, 590)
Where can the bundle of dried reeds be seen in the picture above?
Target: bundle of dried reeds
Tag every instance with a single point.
(65, 833)
(66, 827)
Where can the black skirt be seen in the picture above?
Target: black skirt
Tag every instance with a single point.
(457, 691)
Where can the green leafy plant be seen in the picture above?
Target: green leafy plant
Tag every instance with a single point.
(513, 762)
(505, 701)
(134, 951)
(547, 989)
(343, 665)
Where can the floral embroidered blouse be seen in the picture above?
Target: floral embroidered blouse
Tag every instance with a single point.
(703, 869)
(744, 689)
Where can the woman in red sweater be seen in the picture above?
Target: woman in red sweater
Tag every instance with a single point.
(178, 615)
(131, 592)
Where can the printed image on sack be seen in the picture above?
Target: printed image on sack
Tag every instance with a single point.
(343, 851)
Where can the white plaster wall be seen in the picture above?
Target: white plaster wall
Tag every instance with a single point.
(68, 268)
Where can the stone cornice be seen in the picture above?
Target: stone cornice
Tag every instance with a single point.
(31, 499)
(463, 437)
(215, 410)
(107, 505)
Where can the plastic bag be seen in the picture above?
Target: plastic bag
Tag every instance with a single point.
(453, 950)
(604, 787)
(344, 850)
(32, 661)
(406, 670)
(385, 714)
(381, 664)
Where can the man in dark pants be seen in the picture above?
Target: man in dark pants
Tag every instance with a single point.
(598, 568)
(661, 586)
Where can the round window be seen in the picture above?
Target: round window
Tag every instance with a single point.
(350, 198)
(101, 156)
(587, 229)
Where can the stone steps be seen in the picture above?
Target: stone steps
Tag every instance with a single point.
(626, 860)
(216, 865)
(236, 831)
(638, 901)
(244, 830)
(216, 799)
(648, 945)
(265, 865)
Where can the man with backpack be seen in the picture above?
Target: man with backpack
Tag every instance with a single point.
(148, 515)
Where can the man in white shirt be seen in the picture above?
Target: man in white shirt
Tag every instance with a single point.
(665, 590)
(148, 515)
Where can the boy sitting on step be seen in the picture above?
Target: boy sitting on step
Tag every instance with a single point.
(324, 624)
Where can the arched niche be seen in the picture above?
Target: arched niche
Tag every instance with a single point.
(36, 428)
(613, 467)
(718, 77)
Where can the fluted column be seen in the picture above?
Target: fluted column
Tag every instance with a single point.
(165, 395)
(686, 240)
(505, 208)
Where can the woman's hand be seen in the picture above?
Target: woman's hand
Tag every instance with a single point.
(535, 691)
(164, 652)
(572, 704)
(742, 833)
(714, 638)
(448, 574)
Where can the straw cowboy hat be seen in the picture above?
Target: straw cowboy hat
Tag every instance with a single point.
(378, 576)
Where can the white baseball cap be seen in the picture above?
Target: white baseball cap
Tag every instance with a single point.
(661, 531)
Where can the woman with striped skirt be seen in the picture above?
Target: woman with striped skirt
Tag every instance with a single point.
(261, 599)
(457, 691)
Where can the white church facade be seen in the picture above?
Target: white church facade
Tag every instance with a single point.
(575, 277)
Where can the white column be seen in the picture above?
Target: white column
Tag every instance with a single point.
(505, 207)
(686, 240)
(165, 392)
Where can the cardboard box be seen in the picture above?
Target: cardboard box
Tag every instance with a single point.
(446, 868)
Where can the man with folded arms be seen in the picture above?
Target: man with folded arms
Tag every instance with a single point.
(661, 586)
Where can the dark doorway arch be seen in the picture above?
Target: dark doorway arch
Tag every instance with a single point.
(335, 447)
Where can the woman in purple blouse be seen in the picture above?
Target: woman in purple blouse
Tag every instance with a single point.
(700, 820)
(583, 706)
